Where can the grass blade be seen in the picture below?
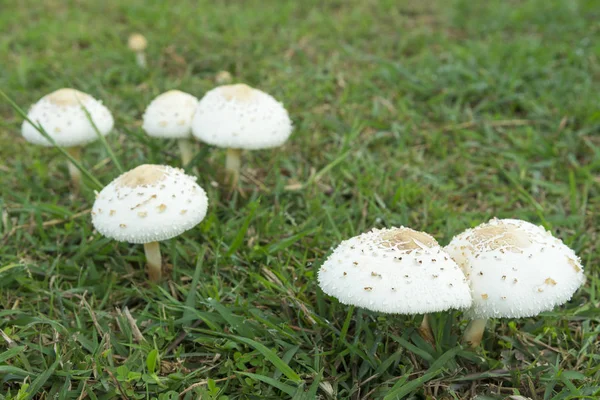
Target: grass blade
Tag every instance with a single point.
(287, 242)
(239, 238)
(346, 326)
(412, 348)
(7, 369)
(271, 356)
(287, 389)
(39, 382)
(102, 138)
(190, 299)
(399, 390)
(10, 353)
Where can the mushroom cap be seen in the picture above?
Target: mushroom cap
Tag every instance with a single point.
(515, 268)
(223, 77)
(150, 203)
(241, 117)
(62, 116)
(170, 115)
(396, 270)
(137, 42)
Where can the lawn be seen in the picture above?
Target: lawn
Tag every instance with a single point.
(432, 115)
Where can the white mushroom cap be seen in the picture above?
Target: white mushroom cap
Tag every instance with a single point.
(396, 270)
(515, 269)
(240, 117)
(148, 204)
(61, 115)
(170, 115)
(137, 42)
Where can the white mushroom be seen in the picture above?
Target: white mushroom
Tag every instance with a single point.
(396, 270)
(149, 204)
(170, 116)
(238, 117)
(138, 43)
(62, 115)
(515, 269)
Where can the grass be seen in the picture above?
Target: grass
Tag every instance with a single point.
(433, 115)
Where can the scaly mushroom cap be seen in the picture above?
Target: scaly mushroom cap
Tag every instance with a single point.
(170, 115)
(396, 270)
(515, 269)
(137, 42)
(148, 204)
(62, 116)
(240, 117)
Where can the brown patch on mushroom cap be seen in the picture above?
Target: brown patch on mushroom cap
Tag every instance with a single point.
(143, 175)
(67, 97)
(407, 239)
(239, 91)
(550, 281)
(507, 237)
(573, 264)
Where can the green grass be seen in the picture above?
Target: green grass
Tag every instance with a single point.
(433, 115)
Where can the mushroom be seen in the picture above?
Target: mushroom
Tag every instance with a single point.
(239, 117)
(149, 204)
(223, 78)
(138, 43)
(62, 114)
(515, 269)
(396, 270)
(170, 116)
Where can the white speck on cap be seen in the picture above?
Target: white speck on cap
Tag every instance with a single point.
(61, 115)
(515, 268)
(241, 117)
(150, 203)
(170, 115)
(396, 270)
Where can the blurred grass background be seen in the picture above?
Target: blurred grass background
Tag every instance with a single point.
(434, 115)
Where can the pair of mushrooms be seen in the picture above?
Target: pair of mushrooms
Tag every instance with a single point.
(235, 117)
(138, 44)
(504, 268)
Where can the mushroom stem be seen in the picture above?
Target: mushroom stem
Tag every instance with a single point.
(140, 58)
(186, 148)
(232, 165)
(474, 332)
(74, 172)
(425, 330)
(154, 259)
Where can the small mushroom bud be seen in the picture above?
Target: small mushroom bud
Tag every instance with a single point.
(223, 78)
(138, 43)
